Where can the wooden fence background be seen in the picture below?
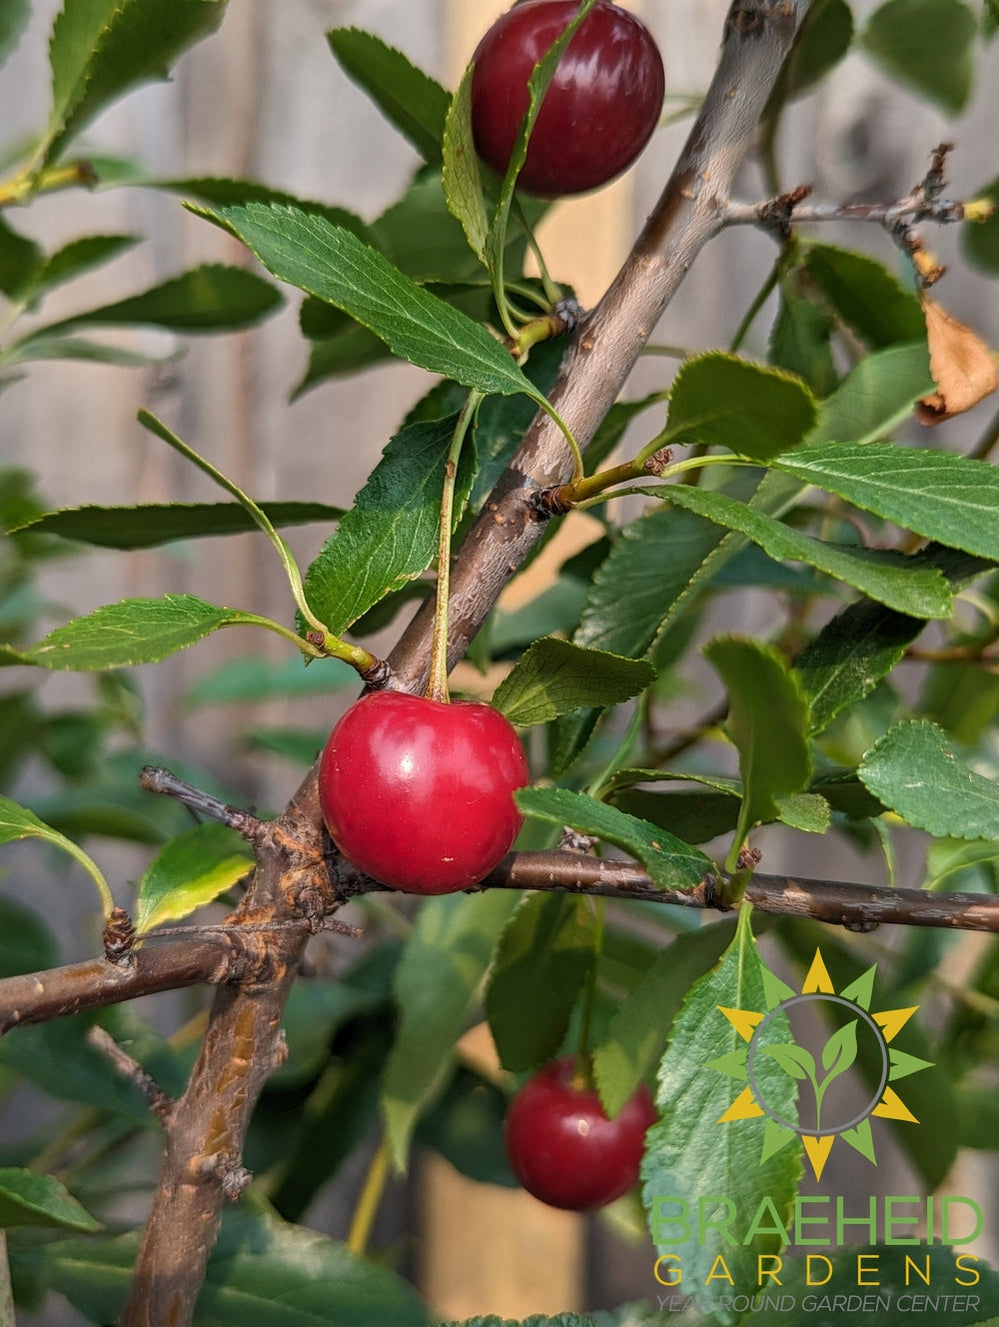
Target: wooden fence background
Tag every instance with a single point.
(265, 99)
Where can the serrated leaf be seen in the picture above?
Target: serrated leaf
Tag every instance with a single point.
(226, 190)
(718, 400)
(331, 263)
(637, 1034)
(889, 577)
(541, 963)
(19, 258)
(444, 961)
(14, 19)
(17, 822)
(691, 1154)
(671, 863)
(100, 48)
(869, 299)
(928, 45)
(134, 631)
(30, 1199)
(555, 677)
(253, 678)
(78, 256)
(952, 499)
(188, 872)
(390, 535)
(808, 812)
(210, 298)
(162, 523)
(261, 1270)
(461, 176)
(801, 341)
(768, 723)
(915, 772)
(877, 395)
(409, 99)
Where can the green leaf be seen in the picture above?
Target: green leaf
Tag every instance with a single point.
(671, 863)
(19, 257)
(30, 1199)
(445, 959)
(206, 299)
(461, 176)
(73, 258)
(331, 263)
(952, 499)
(659, 562)
(419, 234)
(261, 1271)
(555, 677)
(26, 942)
(541, 964)
(823, 41)
(161, 523)
(718, 400)
(42, 346)
(100, 48)
(17, 822)
(801, 341)
(188, 872)
(691, 1153)
(410, 99)
(768, 723)
(390, 535)
(889, 577)
(869, 299)
(840, 1051)
(878, 394)
(808, 812)
(795, 1061)
(224, 191)
(638, 1032)
(928, 45)
(850, 656)
(58, 1058)
(914, 771)
(466, 1128)
(14, 19)
(134, 631)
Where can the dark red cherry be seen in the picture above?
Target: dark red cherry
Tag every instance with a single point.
(599, 111)
(564, 1149)
(418, 794)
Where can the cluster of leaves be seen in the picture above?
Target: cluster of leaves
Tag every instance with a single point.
(794, 466)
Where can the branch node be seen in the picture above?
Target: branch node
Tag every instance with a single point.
(119, 938)
(573, 841)
(861, 927)
(379, 676)
(658, 461)
(549, 502)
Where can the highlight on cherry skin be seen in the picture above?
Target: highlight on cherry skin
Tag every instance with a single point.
(418, 793)
(600, 108)
(562, 1147)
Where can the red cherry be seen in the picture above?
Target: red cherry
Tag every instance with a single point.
(418, 793)
(599, 111)
(562, 1146)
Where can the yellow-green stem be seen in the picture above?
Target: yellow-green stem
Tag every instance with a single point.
(437, 685)
(584, 1057)
(370, 1199)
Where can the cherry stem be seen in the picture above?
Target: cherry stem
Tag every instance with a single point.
(437, 688)
(370, 1199)
(584, 1059)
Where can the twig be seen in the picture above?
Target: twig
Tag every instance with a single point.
(159, 1102)
(162, 781)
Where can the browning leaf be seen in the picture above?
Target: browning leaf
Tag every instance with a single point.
(963, 367)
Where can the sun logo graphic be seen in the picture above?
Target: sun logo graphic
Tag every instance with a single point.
(832, 1103)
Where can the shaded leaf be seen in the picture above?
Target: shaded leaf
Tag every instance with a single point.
(823, 41)
(926, 44)
(555, 677)
(19, 256)
(251, 677)
(541, 963)
(869, 299)
(444, 961)
(13, 20)
(30, 1199)
(914, 771)
(462, 177)
(161, 523)
(671, 863)
(211, 298)
(188, 872)
(410, 99)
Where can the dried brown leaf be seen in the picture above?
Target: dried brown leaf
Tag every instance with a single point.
(962, 365)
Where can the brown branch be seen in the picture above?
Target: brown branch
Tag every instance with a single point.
(158, 1101)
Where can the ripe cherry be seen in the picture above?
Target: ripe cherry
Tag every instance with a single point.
(564, 1149)
(418, 793)
(599, 111)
